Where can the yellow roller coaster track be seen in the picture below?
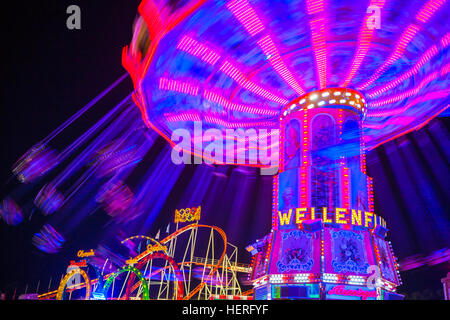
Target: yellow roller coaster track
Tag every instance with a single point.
(182, 230)
(142, 255)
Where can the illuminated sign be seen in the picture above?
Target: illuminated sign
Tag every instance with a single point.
(150, 248)
(188, 214)
(81, 263)
(83, 254)
(350, 292)
(156, 247)
(341, 216)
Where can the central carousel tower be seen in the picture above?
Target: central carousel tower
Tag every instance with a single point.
(326, 241)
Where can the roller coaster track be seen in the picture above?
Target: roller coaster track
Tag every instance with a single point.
(239, 267)
(52, 294)
(214, 264)
(172, 236)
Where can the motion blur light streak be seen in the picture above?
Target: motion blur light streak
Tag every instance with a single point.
(425, 58)
(178, 86)
(403, 95)
(380, 127)
(197, 49)
(364, 41)
(423, 16)
(10, 212)
(401, 71)
(246, 15)
(273, 55)
(240, 78)
(334, 84)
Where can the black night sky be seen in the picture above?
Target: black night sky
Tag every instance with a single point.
(50, 72)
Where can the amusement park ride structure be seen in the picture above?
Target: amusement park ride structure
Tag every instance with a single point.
(297, 67)
(165, 270)
(291, 67)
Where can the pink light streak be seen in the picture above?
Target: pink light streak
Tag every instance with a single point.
(314, 6)
(187, 88)
(444, 70)
(213, 119)
(178, 86)
(240, 78)
(428, 9)
(216, 120)
(424, 14)
(405, 94)
(199, 50)
(430, 53)
(156, 20)
(364, 42)
(397, 53)
(319, 46)
(185, 116)
(401, 120)
(370, 193)
(426, 97)
(417, 260)
(268, 47)
(246, 15)
(380, 142)
(216, 98)
(445, 41)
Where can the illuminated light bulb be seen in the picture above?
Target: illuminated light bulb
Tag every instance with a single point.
(342, 101)
(348, 94)
(332, 101)
(285, 113)
(325, 94)
(321, 103)
(302, 101)
(311, 106)
(352, 102)
(357, 96)
(313, 96)
(358, 106)
(293, 106)
(337, 93)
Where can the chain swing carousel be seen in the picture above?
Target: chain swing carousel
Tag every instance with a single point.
(309, 86)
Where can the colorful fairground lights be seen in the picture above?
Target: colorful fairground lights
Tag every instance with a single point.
(326, 241)
(325, 74)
